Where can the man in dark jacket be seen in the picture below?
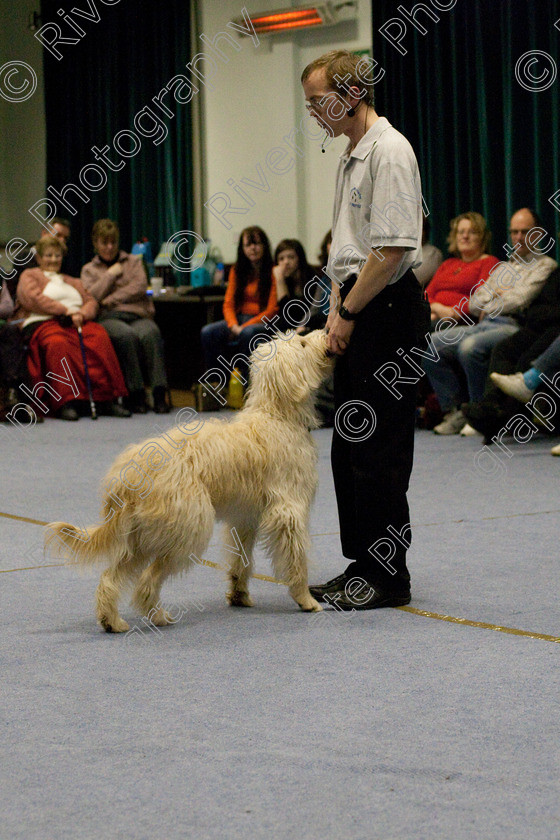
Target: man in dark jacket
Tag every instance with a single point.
(540, 326)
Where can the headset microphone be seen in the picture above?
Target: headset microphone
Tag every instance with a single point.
(324, 141)
(351, 112)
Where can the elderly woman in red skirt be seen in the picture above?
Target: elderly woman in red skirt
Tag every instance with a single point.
(51, 307)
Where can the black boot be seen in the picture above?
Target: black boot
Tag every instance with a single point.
(160, 402)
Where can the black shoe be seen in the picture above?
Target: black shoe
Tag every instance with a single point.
(118, 410)
(137, 402)
(67, 412)
(360, 595)
(484, 420)
(112, 409)
(337, 584)
(160, 403)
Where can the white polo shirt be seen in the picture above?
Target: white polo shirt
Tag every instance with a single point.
(378, 201)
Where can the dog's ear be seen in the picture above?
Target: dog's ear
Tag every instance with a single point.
(289, 379)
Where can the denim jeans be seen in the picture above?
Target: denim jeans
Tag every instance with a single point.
(217, 341)
(459, 374)
(549, 361)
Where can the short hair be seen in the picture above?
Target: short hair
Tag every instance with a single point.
(58, 220)
(479, 224)
(49, 241)
(342, 63)
(105, 229)
(536, 218)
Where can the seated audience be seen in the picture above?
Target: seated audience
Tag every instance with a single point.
(470, 264)
(460, 367)
(118, 283)
(431, 256)
(517, 354)
(250, 299)
(291, 274)
(52, 307)
(13, 371)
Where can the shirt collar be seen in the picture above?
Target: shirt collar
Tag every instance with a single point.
(368, 141)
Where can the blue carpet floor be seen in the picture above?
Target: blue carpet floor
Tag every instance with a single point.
(271, 723)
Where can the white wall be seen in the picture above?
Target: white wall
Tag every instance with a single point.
(22, 126)
(257, 102)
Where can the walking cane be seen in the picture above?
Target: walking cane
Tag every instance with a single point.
(86, 371)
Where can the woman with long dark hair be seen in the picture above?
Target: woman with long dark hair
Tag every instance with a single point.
(250, 299)
(292, 272)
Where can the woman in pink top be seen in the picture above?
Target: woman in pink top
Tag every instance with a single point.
(469, 266)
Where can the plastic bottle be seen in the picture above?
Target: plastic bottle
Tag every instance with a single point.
(235, 391)
(218, 279)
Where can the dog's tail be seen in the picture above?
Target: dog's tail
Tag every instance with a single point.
(77, 545)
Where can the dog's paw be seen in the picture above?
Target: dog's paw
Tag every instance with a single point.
(119, 625)
(161, 618)
(239, 599)
(311, 606)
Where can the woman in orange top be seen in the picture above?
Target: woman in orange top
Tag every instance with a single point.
(249, 303)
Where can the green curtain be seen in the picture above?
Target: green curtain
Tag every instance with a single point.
(93, 92)
(483, 141)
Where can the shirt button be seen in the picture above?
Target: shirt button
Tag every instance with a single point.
(389, 305)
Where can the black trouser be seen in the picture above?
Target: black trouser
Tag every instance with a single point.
(512, 355)
(13, 369)
(371, 475)
(518, 352)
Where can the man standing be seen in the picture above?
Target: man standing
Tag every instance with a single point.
(377, 316)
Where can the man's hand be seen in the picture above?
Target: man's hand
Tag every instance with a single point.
(235, 330)
(115, 270)
(77, 319)
(339, 335)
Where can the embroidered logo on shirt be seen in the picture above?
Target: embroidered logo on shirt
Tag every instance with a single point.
(355, 197)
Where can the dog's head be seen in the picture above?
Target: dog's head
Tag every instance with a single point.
(287, 371)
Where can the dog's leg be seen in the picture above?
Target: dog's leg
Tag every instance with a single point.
(240, 559)
(107, 599)
(146, 596)
(288, 541)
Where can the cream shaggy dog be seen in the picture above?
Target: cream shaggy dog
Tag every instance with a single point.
(256, 473)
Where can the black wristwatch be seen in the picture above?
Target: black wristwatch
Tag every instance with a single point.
(345, 315)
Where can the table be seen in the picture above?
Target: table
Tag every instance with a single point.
(180, 319)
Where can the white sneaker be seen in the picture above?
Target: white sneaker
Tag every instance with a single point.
(555, 449)
(512, 385)
(452, 423)
(468, 431)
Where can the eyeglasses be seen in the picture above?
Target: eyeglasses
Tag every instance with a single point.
(319, 105)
